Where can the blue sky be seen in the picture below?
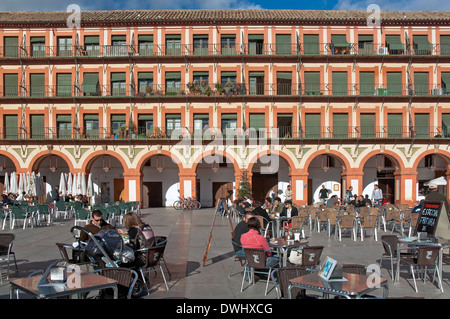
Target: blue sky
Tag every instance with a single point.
(61, 5)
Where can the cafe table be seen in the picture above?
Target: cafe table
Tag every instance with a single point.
(88, 282)
(284, 246)
(352, 286)
(276, 225)
(415, 242)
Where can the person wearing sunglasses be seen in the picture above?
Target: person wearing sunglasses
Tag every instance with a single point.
(96, 224)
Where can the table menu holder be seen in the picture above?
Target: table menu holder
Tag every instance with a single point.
(53, 276)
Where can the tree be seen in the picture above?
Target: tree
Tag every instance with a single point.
(244, 186)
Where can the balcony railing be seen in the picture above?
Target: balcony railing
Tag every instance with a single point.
(169, 133)
(228, 89)
(239, 49)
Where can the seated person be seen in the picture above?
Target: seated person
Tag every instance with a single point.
(353, 201)
(289, 210)
(240, 229)
(332, 201)
(258, 210)
(252, 239)
(277, 206)
(96, 224)
(240, 207)
(367, 201)
(267, 204)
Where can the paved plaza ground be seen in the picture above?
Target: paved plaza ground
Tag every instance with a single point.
(188, 234)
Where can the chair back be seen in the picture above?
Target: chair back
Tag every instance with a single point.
(285, 274)
(256, 258)
(125, 277)
(354, 269)
(369, 221)
(82, 213)
(364, 211)
(390, 244)
(6, 241)
(154, 255)
(311, 255)
(261, 221)
(60, 205)
(407, 215)
(427, 256)
(374, 211)
(160, 240)
(43, 209)
(347, 221)
(63, 252)
(297, 222)
(303, 212)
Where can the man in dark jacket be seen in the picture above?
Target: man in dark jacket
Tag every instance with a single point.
(435, 195)
(289, 210)
(55, 194)
(240, 229)
(258, 210)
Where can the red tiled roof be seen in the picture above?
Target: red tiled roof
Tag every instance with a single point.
(220, 16)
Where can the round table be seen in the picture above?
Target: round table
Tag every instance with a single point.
(284, 245)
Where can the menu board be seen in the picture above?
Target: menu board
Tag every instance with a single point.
(429, 217)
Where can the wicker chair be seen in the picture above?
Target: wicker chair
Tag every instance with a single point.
(390, 250)
(6, 245)
(369, 222)
(297, 224)
(346, 222)
(152, 258)
(311, 257)
(354, 269)
(256, 263)
(126, 279)
(281, 277)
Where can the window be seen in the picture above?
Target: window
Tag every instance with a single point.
(118, 84)
(256, 83)
(366, 83)
(65, 46)
(284, 125)
(283, 44)
(311, 85)
(229, 124)
(445, 82)
(11, 45)
(257, 125)
(145, 124)
(445, 45)
(394, 44)
(421, 45)
(422, 125)
(11, 126)
(173, 125)
(228, 44)
(64, 84)
(446, 124)
(37, 47)
(173, 44)
(394, 83)
(394, 125)
(227, 77)
(37, 82)
(64, 126)
(118, 124)
(37, 126)
(10, 84)
(118, 46)
(312, 125)
(200, 44)
(145, 43)
(173, 83)
(90, 86)
(365, 44)
(255, 44)
(311, 44)
(421, 83)
(339, 83)
(92, 45)
(340, 125)
(90, 123)
(284, 83)
(145, 83)
(339, 44)
(367, 125)
(201, 122)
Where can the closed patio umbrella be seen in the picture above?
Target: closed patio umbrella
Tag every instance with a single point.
(83, 184)
(33, 188)
(69, 183)
(74, 185)
(13, 183)
(6, 185)
(62, 185)
(21, 183)
(28, 184)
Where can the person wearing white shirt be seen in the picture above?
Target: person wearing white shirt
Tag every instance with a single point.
(377, 195)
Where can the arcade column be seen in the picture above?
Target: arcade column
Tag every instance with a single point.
(299, 184)
(405, 187)
(188, 184)
(132, 186)
(352, 177)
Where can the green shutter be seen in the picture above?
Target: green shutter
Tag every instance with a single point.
(64, 81)
(367, 122)
(90, 84)
(256, 37)
(118, 77)
(421, 45)
(229, 116)
(446, 124)
(339, 83)
(284, 44)
(37, 126)
(394, 83)
(445, 45)
(339, 40)
(445, 82)
(11, 126)
(37, 81)
(145, 117)
(119, 38)
(118, 118)
(312, 83)
(92, 39)
(421, 83)
(340, 125)
(284, 83)
(394, 125)
(422, 125)
(312, 125)
(311, 44)
(257, 120)
(64, 118)
(173, 76)
(11, 46)
(394, 44)
(10, 83)
(365, 38)
(37, 40)
(366, 83)
(145, 38)
(145, 76)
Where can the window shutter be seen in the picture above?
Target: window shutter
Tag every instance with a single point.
(283, 43)
(64, 81)
(37, 81)
(367, 122)
(446, 124)
(340, 125)
(366, 83)
(312, 125)
(37, 126)
(445, 82)
(394, 83)
(339, 83)
(422, 125)
(12, 126)
(445, 44)
(311, 44)
(312, 83)
(11, 86)
(421, 83)
(11, 46)
(394, 125)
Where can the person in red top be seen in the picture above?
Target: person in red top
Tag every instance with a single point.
(253, 239)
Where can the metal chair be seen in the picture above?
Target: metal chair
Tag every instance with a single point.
(18, 213)
(256, 263)
(369, 222)
(70, 260)
(126, 279)
(6, 245)
(281, 277)
(60, 209)
(152, 262)
(390, 251)
(297, 224)
(346, 222)
(426, 257)
(311, 257)
(82, 216)
(241, 259)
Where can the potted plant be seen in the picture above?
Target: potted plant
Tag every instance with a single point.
(123, 129)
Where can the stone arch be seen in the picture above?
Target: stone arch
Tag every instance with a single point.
(12, 158)
(39, 157)
(342, 159)
(441, 153)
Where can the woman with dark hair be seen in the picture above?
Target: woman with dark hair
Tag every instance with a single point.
(253, 239)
